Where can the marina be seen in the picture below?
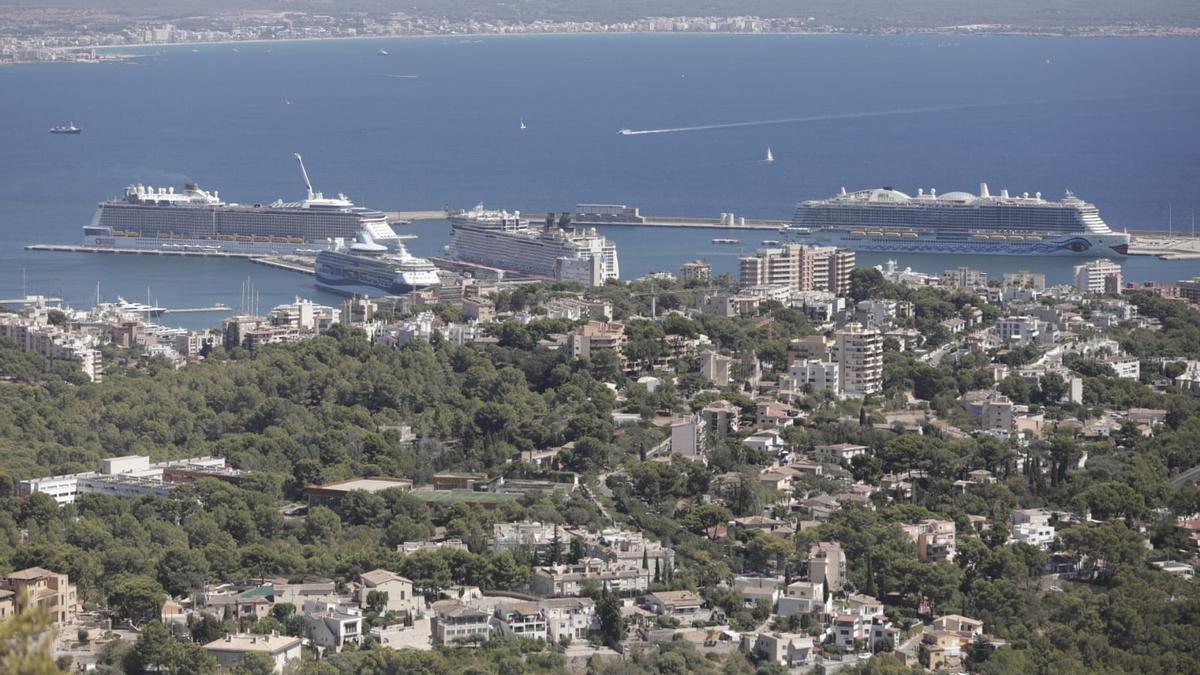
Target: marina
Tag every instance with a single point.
(412, 172)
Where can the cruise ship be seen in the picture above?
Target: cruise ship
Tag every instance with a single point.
(887, 220)
(199, 221)
(369, 268)
(504, 240)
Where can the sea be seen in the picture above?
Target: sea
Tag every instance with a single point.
(435, 122)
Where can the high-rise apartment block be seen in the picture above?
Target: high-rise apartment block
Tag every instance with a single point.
(799, 267)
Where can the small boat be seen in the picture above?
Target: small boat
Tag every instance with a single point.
(770, 157)
(522, 122)
(726, 241)
(68, 129)
(383, 52)
(770, 242)
(625, 132)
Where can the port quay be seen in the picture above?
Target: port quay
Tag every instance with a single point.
(1165, 244)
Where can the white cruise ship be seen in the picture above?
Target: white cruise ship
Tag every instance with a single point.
(369, 269)
(886, 220)
(199, 221)
(504, 240)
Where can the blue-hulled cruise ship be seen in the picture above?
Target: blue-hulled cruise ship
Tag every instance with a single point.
(887, 220)
(371, 269)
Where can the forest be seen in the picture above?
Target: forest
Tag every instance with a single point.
(323, 410)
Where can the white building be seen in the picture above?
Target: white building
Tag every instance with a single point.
(768, 441)
(820, 306)
(304, 315)
(803, 597)
(716, 368)
(790, 650)
(556, 581)
(231, 649)
(1030, 516)
(1098, 276)
(874, 312)
(35, 334)
(1018, 329)
(1126, 366)
(799, 268)
(687, 436)
(964, 277)
(331, 625)
(806, 375)
(827, 565)
(400, 596)
(570, 618)
(127, 476)
(1040, 535)
(838, 452)
(858, 352)
(530, 535)
(519, 618)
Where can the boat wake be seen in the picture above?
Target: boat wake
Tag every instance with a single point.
(844, 116)
(402, 77)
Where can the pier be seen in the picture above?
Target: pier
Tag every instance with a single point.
(678, 221)
(83, 248)
(400, 217)
(291, 264)
(1165, 245)
(198, 310)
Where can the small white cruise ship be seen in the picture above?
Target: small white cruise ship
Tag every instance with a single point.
(504, 240)
(368, 268)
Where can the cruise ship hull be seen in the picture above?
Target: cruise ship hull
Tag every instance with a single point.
(350, 287)
(348, 274)
(1076, 244)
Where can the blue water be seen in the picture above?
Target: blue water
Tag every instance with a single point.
(1117, 121)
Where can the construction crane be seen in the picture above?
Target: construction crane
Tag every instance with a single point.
(653, 293)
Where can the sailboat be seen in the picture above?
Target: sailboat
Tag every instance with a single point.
(770, 157)
(522, 122)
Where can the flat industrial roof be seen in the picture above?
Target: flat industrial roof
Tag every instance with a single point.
(366, 484)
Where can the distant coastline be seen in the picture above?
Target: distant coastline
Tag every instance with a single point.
(77, 54)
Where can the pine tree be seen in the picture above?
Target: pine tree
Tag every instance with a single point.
(612, 623)
(555, 548)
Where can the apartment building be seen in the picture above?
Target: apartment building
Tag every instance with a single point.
(858, 351)
(827, 565)
(36, 587)
(799, 268)
(1099, 277)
